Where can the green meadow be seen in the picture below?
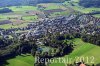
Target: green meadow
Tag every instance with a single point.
(22, 8)
(30, 18)
(18, 14)
(9, 26)
(50, 6)
(24, 60)
(81, 49)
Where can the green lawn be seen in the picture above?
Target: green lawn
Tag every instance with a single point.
(21, 61)
(8, 26)
(23, 8)
(85, 49)
(82, 49)
(30, 18)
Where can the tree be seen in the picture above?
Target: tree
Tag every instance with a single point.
(5, 10)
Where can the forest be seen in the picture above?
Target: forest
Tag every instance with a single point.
(90, 3)
(4, 3)
(5, 10)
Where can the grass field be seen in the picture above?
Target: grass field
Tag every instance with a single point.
(81, 49)
(60, 14)
(30, 18)
(84, 50)
(9, 26)
(49, 6)
(22, 8)
(19, 11)
(25, 60)
(6, 16)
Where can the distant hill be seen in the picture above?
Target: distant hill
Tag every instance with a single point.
(89, 3)
(26, 2)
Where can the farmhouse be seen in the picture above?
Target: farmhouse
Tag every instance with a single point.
(82, 64)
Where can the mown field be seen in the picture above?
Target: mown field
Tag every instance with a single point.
(24, 60)
(22, 8)
(81, 49)
(85, 50)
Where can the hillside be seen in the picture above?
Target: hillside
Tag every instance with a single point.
(26, 2)
(32, 32)
(82, 49)
(54, 33)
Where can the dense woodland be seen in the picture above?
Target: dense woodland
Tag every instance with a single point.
(85, 3)
(90, 3)
(26, 2)
(5, 10)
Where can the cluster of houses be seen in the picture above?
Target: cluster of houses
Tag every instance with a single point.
(70, 24)
(83, 24)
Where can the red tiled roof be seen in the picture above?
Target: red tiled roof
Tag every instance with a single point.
(82, 65)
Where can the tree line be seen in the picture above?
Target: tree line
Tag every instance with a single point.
(4, 3)
(5, 10)
(89, 3)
